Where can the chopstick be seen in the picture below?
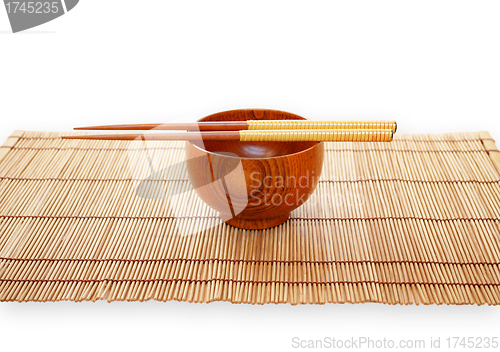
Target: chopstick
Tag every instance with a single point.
(338, 135)
(252, 125)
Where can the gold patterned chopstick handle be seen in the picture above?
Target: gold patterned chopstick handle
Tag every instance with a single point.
(316, 135)
(322, 125)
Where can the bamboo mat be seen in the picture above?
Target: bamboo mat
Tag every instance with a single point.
(411, 222)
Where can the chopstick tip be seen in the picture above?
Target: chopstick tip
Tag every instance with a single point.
(88, 128)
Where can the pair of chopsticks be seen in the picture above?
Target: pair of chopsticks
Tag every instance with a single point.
(256, 131)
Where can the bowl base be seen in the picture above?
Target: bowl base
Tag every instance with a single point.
(256, 224)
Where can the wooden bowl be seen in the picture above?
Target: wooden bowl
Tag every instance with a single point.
(254, 185)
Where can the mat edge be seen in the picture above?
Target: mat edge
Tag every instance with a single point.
(490, 146)
(10, 143)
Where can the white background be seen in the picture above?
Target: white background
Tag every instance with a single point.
(434, 66)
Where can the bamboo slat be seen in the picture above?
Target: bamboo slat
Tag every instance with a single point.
(415, 221)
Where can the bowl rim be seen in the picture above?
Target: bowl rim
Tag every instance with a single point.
(248, 158)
